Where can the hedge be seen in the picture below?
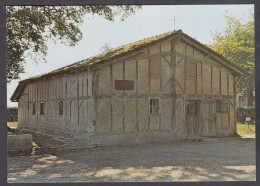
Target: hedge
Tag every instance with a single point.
(243, 112)
(12, 114)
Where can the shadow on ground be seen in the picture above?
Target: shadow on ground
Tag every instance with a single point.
(216, 160)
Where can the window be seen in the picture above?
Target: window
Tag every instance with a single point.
(34, 108)
(242, 101)
(70, 108)
(41, 108)
(154, 106)
(124, 84)
(60, 107)
(191, 71)
(192, 107)
(222, 106)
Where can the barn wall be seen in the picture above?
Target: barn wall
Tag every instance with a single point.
(170, 71)
(74, 90)
(212, 82)
(124, 115)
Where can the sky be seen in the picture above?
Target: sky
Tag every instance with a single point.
(198, 21)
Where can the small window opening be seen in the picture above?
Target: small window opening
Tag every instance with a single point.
(60, 107)
(70, 108)
(41, 108)
(192, 107)
(34, 108)
(154, 106)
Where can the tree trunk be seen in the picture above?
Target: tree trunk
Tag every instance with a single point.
(250, 98)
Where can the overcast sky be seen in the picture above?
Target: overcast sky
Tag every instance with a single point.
(198, 21)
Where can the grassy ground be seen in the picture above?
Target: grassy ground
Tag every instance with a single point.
(12, 124)
(245, 129)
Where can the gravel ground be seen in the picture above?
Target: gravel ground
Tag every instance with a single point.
(226, 159)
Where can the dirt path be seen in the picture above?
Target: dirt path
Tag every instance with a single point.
(211, 160)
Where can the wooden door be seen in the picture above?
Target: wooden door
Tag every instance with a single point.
(192, 118)
(208, 119)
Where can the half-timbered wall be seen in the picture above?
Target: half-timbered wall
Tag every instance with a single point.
(212, 82)
(168, 72)
(75, 93)
(173, 72)
(128, 111)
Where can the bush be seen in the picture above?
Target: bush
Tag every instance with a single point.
(243, 112)
(12, 114)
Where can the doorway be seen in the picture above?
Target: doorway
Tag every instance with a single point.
(208, 118)
(192, 118)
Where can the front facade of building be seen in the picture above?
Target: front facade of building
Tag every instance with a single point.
(162, 88)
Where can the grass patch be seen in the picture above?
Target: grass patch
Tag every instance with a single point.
(245, 129)
(12, 124)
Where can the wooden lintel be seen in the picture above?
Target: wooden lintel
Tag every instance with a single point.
(223, 62)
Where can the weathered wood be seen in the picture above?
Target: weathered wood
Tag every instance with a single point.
(136, 100)
(221, 61)
(149, 87)
(173, 88)
(93, 105)
(94, 68)
(95, 98)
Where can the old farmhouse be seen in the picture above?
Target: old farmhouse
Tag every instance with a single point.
(162, 88)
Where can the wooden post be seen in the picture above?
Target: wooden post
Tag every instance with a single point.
(173, 87)
(149, 88)
(211, 80)
(78, 106)
(235, 115)
(95, 100)
(136, 99)
(123, 101)
(111, 90)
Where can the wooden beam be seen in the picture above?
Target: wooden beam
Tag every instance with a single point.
(235, 115)
(149, 88)
(123, 101)
(95, 99)
(188, 56)
(136, 99)
(96, 67)
(179, 86)
(225, 63)
(164, 59)
(173, 88)
(110, 101)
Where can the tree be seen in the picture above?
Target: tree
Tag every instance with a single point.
(237, 43)
(29, 27)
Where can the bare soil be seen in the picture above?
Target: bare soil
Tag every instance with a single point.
(224, 159)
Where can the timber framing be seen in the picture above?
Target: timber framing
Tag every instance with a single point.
(123, 52)
(161, 88)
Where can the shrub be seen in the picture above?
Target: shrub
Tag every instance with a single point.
(243, 112)
(12, 114)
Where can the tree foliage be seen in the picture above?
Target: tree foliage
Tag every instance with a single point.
(29, 27)
(237, 43)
